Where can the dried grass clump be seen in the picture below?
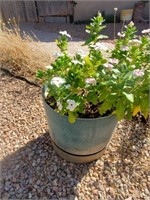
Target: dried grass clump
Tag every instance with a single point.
(19, 52)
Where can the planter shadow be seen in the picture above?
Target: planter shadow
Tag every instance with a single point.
(36, 171)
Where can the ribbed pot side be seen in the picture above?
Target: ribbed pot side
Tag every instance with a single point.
(80, 142)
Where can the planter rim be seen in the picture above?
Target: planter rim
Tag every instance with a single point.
(79, 119)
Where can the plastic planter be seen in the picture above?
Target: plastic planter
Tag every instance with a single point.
(83, 141)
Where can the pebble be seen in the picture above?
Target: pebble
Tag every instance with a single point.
(38, 182)
(19, 196)
(29, 195)
(48, 190)
(17, 186)
(55, 188)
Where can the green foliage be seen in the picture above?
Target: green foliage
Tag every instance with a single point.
(94, 30)
(118, 84)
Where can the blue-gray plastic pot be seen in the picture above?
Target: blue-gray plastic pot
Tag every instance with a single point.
(83, 141)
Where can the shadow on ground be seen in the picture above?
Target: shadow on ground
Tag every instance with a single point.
(48, 32)
(31, 171)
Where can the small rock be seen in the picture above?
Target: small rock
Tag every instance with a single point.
(7, 183)
(48, 190)
(30, 180)
(17, 186)
(31, 154)
(55, 188)
(29, 195)
(55, 182)
(38, 160)
(6, 188)
(14, 180)
(20, 190)
(55, 168)
(19, 195)
(38, 182)
(33, 164)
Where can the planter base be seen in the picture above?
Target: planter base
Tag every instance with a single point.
(77, 158)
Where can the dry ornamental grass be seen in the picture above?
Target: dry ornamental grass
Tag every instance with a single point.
(19, 52)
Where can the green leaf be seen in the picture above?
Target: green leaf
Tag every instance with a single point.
(92, 97)
(130, 97)
(88, 41)
(120, 110)
(128, 112)
(104, 107)
(88, 27)
(88, 62)
(57, 41)
(116, 71)
(71, 117)
(103, 96)
(145, 106)
(40, 74)
(128, 75)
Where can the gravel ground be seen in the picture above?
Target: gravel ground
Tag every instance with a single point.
(30, 168)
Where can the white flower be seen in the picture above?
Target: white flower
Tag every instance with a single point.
(49, 67)
(124, 48)
(115, 9)
(114, 61)
(71, 105)
(135, 42)
(109, 66)
(76, 62)
(146, 31)
(90, 81)
(138, 72)
(81, 53)
(58, 54)
(121, 34)
(59, 105)
(46, 91)
(131, 24)
(58, 81)
(100, 46)
(65, 33)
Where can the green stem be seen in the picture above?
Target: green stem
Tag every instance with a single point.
(115, 25)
